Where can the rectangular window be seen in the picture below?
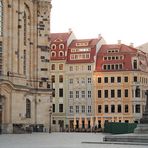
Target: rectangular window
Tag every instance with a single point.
(126, 79)
(112, 108)
(99, 93)
(60, 78)
(53, 78)
(137, 92)
(135, 78)
(71, 109)
(99, 108)
(61, 92)
(44, 69)
(53, 121)
(106, 108)
(99, 79)
(53, 92)
(71, 94)
(119, 108)
(112, 93)
(112, 79)
(89, 109)
(83, 94)
(83, 109)
(60, 108)
(89, 67)
(61, 66)
(53, 67)
(70, 81)
(105, 79)
(53, 108)
(119, 79)
(77, 94)
(105, 93)
(77, 109)
(89, 94)
(89, 80)
(137, 108)
(108, 67)
(24, 63)
(112, 67)
(119, 93)
(126, 108)
(71, 68)
(135, 65)
(126, 92)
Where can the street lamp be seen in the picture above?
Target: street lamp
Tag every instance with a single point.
(50, 114)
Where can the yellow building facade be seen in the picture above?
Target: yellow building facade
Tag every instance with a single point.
(120, 83)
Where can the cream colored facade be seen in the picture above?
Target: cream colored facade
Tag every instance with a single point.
(24, 84)
(80, 103)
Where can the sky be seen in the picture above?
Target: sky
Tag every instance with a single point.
(125, 20)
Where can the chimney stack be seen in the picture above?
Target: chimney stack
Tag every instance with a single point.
(131, 45)
(99, 35)
(70, 30)
(119, 42)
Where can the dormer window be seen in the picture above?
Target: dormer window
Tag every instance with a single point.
(112, 50)
(61, 46)
(53, 46)
(135, 64)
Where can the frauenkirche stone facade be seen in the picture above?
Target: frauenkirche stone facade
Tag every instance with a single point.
(25, 90)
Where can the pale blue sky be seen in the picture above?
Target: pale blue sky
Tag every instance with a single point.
(125, 20)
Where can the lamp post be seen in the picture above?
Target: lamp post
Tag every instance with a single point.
(50, 114)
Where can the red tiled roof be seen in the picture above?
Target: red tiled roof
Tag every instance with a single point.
(91, 44)
(56, 37)
(124, 50)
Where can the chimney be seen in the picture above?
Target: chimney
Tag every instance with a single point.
(131, 45)
(119, 42)
(70, 30)
(99, 36)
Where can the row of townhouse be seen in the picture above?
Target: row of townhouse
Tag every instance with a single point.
(94, 82)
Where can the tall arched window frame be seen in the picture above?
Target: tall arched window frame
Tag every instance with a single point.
(28, 108)
(25, 28)
(1, 18)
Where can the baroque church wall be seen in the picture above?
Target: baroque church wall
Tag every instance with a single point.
(25, 89)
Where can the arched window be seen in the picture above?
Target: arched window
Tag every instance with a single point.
(53, 46)
(1, 18)
(53, 54)
(25, 28)
(61, 46)
(28, 108)
(61, 53)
